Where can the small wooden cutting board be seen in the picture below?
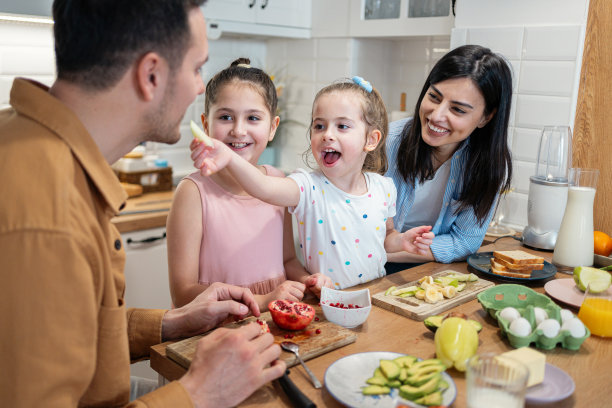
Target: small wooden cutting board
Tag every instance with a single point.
(311, 344)
(419, 309)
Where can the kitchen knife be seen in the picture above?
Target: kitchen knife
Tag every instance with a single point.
(297, 398)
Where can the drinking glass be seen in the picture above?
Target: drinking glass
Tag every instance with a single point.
(574, 246)
(494, 381)
(495, 227)
(596, 313)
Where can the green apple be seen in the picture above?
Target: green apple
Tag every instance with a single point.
(200, 135)
(597, 280)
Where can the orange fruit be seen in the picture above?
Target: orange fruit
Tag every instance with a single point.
(602, 243)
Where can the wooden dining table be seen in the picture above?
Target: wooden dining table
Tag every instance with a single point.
(590, 367)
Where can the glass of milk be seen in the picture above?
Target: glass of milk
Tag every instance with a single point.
(495, 382)
(574, 246)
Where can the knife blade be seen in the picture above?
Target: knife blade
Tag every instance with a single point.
(296, 397)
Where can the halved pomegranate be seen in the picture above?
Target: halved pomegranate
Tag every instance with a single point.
(291, 315)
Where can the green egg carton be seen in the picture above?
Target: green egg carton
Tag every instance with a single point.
(524, 299)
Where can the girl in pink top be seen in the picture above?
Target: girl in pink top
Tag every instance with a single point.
(216, 231)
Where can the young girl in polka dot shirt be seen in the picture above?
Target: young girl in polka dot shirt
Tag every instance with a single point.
(345, 207)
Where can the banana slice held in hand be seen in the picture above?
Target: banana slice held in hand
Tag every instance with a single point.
(200, 135)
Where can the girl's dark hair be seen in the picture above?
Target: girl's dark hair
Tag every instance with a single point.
(374, 115)
(96, 41)
(488, 168)
(241, 71)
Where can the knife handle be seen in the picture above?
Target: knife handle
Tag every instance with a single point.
(297, 398)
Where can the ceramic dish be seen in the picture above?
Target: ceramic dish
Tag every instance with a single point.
(565, 290)
(481, 261)
(557, 385)
(524, 299)
(346, 376)
(345, 317)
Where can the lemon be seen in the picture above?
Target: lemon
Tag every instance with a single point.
(597, 280)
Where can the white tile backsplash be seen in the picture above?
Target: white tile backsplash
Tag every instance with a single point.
(525, 144)
(535, 111)
(522, 172)
(551, 43)
(507, 41)
(555, 78)
(27, 61)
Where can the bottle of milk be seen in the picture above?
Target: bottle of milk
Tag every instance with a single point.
(574, 246)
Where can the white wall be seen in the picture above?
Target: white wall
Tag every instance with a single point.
(543, 41)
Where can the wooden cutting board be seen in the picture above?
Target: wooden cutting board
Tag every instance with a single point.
(311, 344)
(419, 309)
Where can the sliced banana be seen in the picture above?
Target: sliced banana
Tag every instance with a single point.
(420, 294)
(449, 291)
(432, 295)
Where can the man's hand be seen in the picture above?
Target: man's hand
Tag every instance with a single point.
(207, 310)
(230, 364)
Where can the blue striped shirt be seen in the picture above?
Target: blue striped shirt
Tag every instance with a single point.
(457, 234)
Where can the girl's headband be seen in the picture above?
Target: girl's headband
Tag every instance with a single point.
(363, 83)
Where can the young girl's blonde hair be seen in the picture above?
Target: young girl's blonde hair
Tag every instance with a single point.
(374, 115)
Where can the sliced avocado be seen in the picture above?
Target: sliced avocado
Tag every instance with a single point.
(420, 379)
(425, 370)
(476, 325)
(461, 278)
(434, 398)
(377, 381)
(405, 361)
(412, 393)
(460, 287)
(401, 291)
(433, 322)
(390, 369)
(375, 390)
(472, 277)
(424, 363)
(403, 374)
(394, 384)
(378, 373)
(442, 385)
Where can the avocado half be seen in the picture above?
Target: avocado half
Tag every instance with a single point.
(433, 322)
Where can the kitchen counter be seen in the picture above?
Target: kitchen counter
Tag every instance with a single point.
(388, 331)
(144, 212)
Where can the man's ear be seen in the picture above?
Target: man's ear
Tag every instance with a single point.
(273, 128)
(372, 140)
(151, 71)
(486, 119)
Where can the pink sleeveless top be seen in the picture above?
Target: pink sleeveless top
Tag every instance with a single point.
(242, 238)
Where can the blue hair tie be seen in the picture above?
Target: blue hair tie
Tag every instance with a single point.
(362, 83)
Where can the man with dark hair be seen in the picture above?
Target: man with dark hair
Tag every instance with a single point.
(127, 71)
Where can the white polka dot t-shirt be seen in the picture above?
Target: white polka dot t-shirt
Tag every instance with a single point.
(342, 235)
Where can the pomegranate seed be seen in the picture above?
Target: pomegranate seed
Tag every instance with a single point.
(318, 331)
(316, 319)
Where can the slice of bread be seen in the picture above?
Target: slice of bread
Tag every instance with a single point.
(518, 257)
(504, 265)
(524, 275)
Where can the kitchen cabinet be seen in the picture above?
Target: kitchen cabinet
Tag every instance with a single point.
(398, 18)
(278, 18)
(146, 269)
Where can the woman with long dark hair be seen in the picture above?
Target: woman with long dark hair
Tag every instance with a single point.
(450, 161)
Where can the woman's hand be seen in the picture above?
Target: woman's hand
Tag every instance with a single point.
(417, 240)
(316, 282)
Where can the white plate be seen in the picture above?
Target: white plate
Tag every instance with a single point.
(345, 378)
(557, 385)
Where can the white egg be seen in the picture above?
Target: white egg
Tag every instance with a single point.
(540, 315)
(566, 314)
(575, 327)
(509, 314)
(520, 327)
(550, 327)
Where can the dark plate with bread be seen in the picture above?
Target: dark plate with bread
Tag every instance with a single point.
(515, 266)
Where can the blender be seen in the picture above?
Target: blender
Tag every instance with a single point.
(548, 188)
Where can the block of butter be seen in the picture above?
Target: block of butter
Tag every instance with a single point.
(534, 360)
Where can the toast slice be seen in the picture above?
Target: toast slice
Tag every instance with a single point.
(503, 265)
(524, 275)
(518, 257)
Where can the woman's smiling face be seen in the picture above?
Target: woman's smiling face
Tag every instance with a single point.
(449, 113)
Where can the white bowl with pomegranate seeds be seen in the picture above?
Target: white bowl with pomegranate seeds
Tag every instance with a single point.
(346, 308)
